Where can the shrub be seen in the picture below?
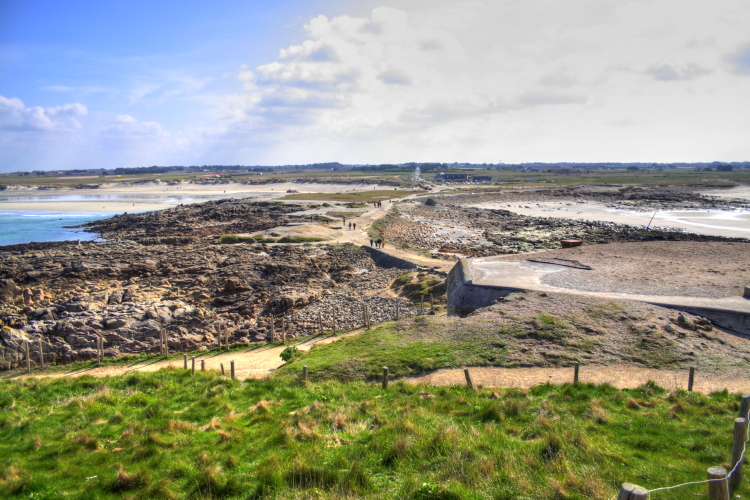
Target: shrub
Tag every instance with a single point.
(299, 239)
(289, 353)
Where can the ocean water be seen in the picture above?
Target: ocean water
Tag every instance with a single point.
(25, 226)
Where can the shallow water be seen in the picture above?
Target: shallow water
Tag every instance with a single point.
(25, 226)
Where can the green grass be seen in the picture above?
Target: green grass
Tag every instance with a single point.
(376, 228)
(416, 288)
(231, 239)
(172, 435)
(299, 239)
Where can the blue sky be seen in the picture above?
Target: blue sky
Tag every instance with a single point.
(106, 84)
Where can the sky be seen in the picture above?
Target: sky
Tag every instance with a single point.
(92, 84)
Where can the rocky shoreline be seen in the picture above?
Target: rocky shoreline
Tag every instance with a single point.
(447, 227)
(166, 272)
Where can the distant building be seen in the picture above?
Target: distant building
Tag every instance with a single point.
(453, 177)
(482, 178)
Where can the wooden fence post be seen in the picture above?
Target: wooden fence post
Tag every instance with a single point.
(231, 368)
(203, 365)
(41, 355)
(630, 491)
(432, 305)
(334, 323)
(738, 444)
(421, 305)
(744, 406)
(320, 323)
(283, 331)
(385, 377)
(691, 379)
(304, 372)
(576, 369)
(469, 382)
(718, 490)
(99, 350)
(184, 361)
(222, 368)
(161, 342)
(192, 367)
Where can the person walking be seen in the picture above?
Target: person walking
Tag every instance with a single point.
(350, 226)
(382, 243)
(371, 242)
(377, 243)
(354, 225)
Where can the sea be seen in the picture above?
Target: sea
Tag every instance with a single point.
(25, 226)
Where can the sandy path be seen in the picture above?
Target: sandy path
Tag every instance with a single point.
(619, 376)
(360, 237)
(253, 363)
(260, 363)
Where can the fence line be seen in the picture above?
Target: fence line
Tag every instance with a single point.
(625, 492)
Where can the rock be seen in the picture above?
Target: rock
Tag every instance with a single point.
(113, 323)
(9, 291)
(115, 297)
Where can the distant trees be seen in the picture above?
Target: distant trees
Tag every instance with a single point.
(724, 168)
(633, 169)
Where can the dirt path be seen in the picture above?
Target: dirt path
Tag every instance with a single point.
(360, 237)
(253, 363)
(621, 376)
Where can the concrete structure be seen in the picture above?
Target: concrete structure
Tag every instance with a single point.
(475, 283)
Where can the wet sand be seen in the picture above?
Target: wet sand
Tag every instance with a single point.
(118, 198)
(732, 224)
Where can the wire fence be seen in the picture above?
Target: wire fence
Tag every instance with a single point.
(723, 483)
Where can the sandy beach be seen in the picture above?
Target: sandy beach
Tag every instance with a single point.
(145, 197)
(732, 224)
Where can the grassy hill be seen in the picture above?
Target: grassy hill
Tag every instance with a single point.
(516, 333)
(172, 435)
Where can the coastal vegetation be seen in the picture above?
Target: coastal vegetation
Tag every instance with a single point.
(169, 434)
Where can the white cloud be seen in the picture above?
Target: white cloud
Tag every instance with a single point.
(128, 126)
(487, 79)
(14, 115)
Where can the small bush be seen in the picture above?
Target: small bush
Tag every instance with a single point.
(289, 353)
(299, 239)
(230, 239)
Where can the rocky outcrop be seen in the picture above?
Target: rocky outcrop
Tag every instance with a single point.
(128, 290)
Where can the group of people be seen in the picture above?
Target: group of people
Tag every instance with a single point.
(379, 243)
(352, 226)
(377, 204)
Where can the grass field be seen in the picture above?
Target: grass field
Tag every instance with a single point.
(172, 435)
